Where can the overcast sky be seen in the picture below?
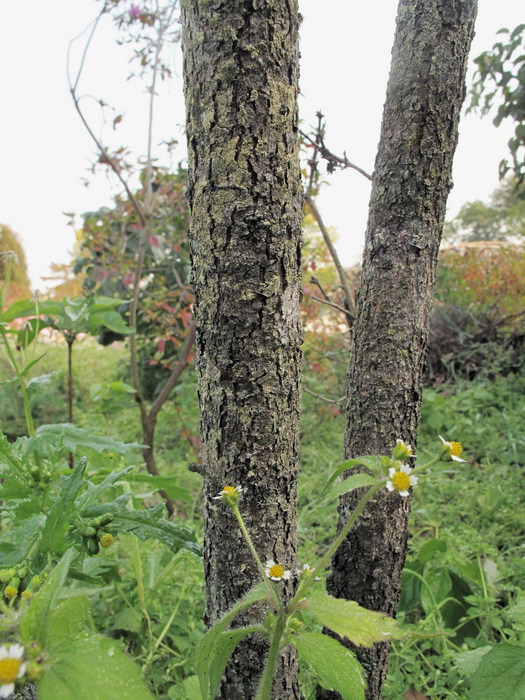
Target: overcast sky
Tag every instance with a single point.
(45, 152)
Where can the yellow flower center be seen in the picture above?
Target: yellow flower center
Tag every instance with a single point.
(455, 449)
(401, 481)
(276, 571)
(229, 490)
(9, 669)
(10, 592)
(106, 540)
(26, 594)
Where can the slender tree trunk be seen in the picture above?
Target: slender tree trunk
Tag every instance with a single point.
(411, 182)
(241, 75)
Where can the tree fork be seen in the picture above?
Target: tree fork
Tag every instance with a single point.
(244, 191)
(410, 185)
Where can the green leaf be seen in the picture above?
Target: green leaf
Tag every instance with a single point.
(37, 383)
(210, 654)
(90, 667)
(348, 619)
(430, 548)
(517, 613)
(356, 481)
(167, 483)
(94, 491)
(437, 588)
(15, 482)
(371, 462)
(35, 623)
(60, 514)
(110, 319)
(147, 524)
(468, 661)
(500, 674)
(58, 437)
(334, 665)
(19, 539)
(68, 620)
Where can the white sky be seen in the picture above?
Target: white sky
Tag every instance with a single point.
(45, 151)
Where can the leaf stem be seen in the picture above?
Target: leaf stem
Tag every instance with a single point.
(265, 686)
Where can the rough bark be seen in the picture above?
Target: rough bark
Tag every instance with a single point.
(241, 77)
(411, 182)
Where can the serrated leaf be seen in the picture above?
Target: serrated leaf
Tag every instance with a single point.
(35, 623)
(90, 667)
(500, 674)
(37, 383)
(348, 619)
(20, 539)
(58, 437)
(60, 514)
(210, 659)
(16, 483)
(147, 524)
(370, 461)
(68, 620)
(334, 665)
(95, 491)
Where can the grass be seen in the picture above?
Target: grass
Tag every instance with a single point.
(465, 563)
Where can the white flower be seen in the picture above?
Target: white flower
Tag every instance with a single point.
(454, 450)
(401, 479)
(306, 571)
(11, 668)
(276, 572)
(228, 491)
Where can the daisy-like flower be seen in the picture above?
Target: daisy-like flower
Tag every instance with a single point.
(401, 479)
(306, 571)
(11, 668)
(402, 451)
(276, 572)
(229, 494)
(451, 451)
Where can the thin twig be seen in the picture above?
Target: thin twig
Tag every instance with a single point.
(335, 306)
(324, 398)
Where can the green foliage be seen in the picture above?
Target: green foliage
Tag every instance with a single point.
(502, 219)
(500, 81)
(334, 665)
(500, 674)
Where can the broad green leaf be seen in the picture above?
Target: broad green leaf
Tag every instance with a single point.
(89, 668)
(371, 462)
(356, 481)
(68, 620)
(430, 548)
(29, 332)
(348, 619)
(436, 588)
(468, 661)
(57, 437)
(167, 483)
(517, 613)
(335, 666)
(147, 524)
(20, 539)
(37, 383)
(210, 659)
(35, 623)
(110, 319)
(59, 517)
(16, 484)
(500, 674)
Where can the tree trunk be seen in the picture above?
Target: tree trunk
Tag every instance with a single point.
(241, 76)
(410, 186)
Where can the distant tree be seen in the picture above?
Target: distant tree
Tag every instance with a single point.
(20, 286)
(500, 83)
(502, 219)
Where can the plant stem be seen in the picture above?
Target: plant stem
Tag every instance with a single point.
(303, 587)
(23, 389)
(275, 595)
(265, 686)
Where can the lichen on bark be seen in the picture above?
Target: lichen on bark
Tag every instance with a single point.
(241, 76)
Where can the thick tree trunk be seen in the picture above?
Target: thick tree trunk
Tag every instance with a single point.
(411, 182)
(241, 76)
